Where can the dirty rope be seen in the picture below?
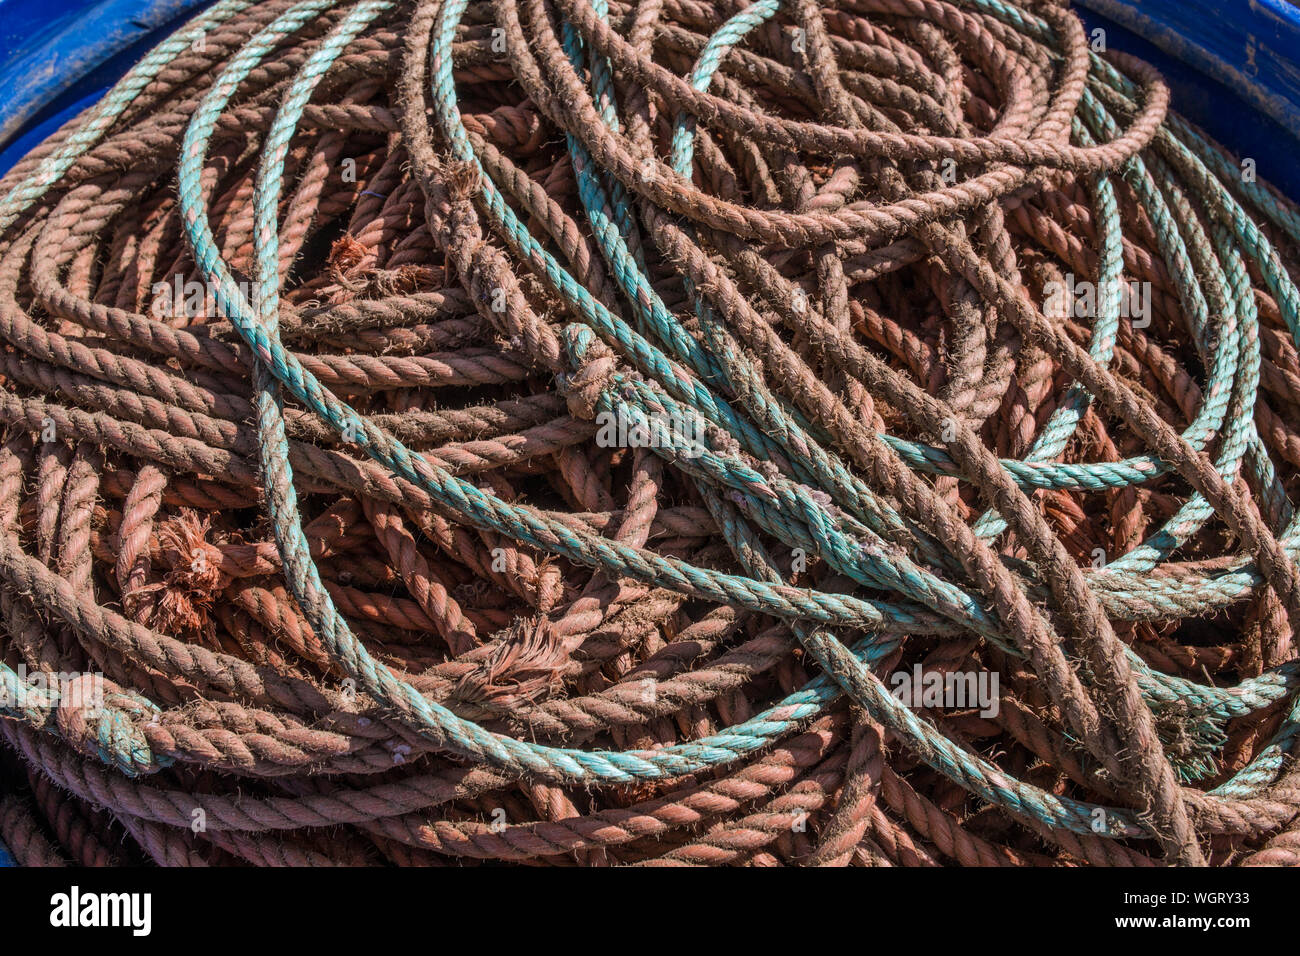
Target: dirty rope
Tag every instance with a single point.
(574, 431)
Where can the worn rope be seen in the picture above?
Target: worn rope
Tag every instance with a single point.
(315, 548)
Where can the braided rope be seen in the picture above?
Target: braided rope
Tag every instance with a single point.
(806, 254)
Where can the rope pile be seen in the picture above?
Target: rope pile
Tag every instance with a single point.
(313, 330)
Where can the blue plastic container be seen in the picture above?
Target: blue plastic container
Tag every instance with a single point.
(59, 56)
(1234, 65)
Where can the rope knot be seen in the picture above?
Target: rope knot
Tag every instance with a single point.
(528, 662)
(98, 718)
(462, 179)
(183, 600)
(594, 366)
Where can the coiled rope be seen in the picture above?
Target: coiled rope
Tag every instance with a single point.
(314, 325)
